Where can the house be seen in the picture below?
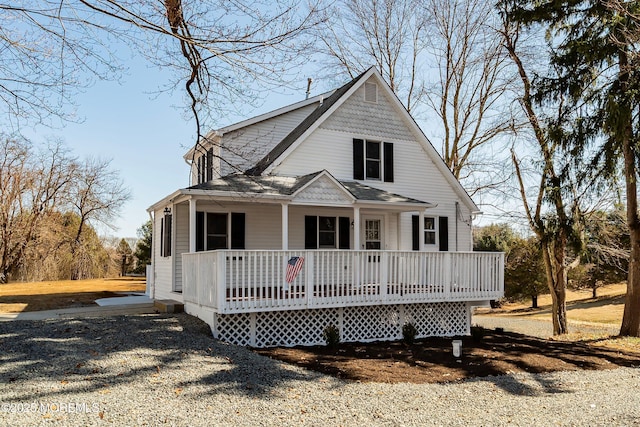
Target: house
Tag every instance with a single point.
(335, 210)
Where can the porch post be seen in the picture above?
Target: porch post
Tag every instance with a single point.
(356, 228)
(421, 231)
(285, 226)
(192, 225)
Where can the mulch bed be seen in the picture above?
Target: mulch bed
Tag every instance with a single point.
(431, 360)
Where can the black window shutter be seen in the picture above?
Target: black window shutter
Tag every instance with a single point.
(237, 230)
(162, 236)
(388, 162)
(358, 159)
(199, 231)
(344, 227)
(310, 232)
(415, 232)
(167, 236)
(443, 233)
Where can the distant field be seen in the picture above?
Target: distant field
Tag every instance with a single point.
(606, 308)
(35, 296)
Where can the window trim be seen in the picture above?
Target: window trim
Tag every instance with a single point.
(341, 242)
(368, 158)
(362, 157)
(333, 232)
(229, 234)
(432, 231)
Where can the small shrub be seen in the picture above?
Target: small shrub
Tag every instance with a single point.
(477, 332)
(331, 335)
(409, 333)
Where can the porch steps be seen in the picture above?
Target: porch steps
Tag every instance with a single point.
(168, 306)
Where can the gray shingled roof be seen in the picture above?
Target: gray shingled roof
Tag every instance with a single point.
(366, 193)
(241, 183)
(282, 146)
(287, 186)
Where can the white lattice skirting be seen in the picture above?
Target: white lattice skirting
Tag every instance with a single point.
(356, 324)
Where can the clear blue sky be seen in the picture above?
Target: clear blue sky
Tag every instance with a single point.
(144, 137)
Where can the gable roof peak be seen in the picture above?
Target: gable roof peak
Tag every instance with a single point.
(316, 115)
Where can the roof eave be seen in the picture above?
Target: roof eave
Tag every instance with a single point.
(412, 206)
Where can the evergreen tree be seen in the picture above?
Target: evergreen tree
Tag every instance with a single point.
(125, 256)
(142, 251)
(594, 47)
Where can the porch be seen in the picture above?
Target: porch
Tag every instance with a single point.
(252, 281)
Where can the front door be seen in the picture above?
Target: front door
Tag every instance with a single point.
(372, 233)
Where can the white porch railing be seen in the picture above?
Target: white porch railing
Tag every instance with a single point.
(254, 281)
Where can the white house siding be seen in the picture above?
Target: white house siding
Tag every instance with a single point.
(263, 222)
(181, 237)
(162, 266)
(382, 118)
(216, 165)
(244, 147)
(324, 190)
(415, 173)
(296, 221)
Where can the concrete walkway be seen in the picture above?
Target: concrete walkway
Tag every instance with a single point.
(114, 307)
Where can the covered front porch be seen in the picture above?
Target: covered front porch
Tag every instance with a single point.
(275, 260)
(256, 281)
(247, 298)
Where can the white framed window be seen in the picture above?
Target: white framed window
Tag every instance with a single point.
(216, 230)
(429, 230)
(327, 232)
(373, 160)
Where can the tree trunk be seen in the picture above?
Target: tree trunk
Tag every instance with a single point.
(534, 301)
(556, 273)
(631, 317)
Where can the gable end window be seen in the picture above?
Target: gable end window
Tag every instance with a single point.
(204, 165)
(371, 92)
(372, 160)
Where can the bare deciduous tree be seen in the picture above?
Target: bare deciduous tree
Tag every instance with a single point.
(39, 188)
(555, 199)
(467, 96)
(222, 53)
(32, 184)
(49, 50)
(386, 33)
(95, 195)
(443, 59)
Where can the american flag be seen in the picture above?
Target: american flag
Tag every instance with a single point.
(294, 265)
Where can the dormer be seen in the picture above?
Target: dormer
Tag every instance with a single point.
(204, 159)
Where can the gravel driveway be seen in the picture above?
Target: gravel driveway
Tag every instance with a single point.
(167, 370)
